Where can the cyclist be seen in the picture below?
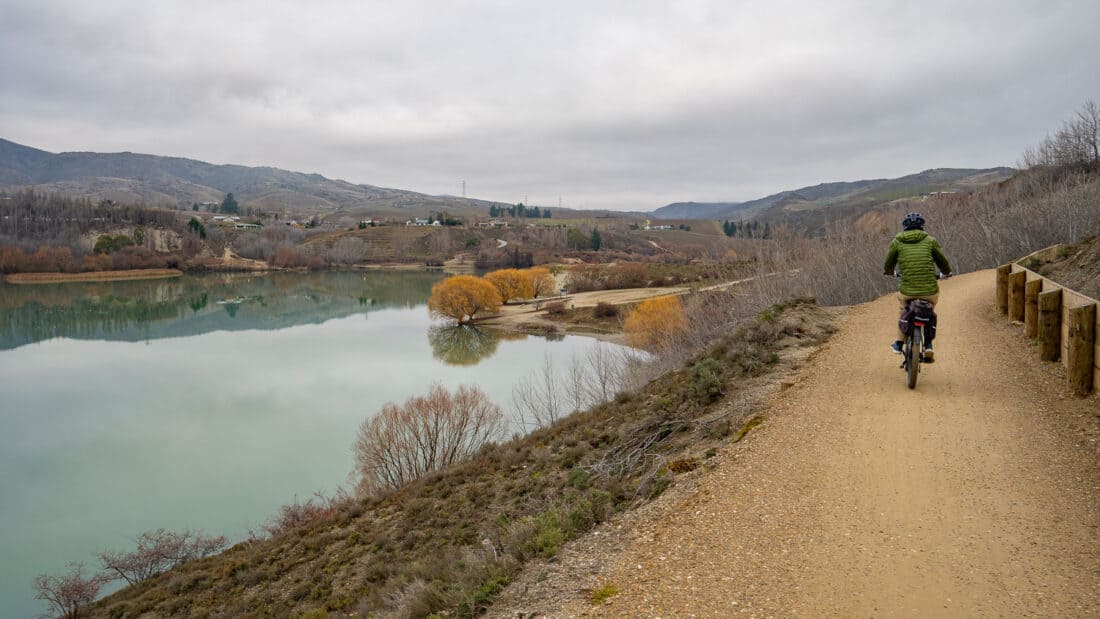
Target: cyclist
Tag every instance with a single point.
(916, 256)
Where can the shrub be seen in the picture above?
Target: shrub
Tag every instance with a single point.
(12, 260)
(683, 465)
(627, 275)
(490, 588)
(605, 310)
(655, 322)
(557, 307)
(110, 243)
(578, 478)
(52, 260)
(602, 594)
(704, 385)
(295, 514)
(585, 277)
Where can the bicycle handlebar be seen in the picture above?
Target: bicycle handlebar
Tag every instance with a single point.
(939, 275)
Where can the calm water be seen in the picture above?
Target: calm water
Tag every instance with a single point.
(207, 402)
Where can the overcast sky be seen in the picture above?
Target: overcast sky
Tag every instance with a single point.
(622, 105)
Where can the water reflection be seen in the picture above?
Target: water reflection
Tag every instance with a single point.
(192, 305)
(466, 344)
(216, 428)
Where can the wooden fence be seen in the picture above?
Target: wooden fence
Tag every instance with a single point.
(1064, 323)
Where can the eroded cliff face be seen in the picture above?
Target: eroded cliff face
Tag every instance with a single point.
(1077, 267)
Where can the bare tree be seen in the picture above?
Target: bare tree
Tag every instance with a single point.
(1076, 143)
(65, 595)
(537, 398)
(604, 375)
(158, 551)
(348, 251)
(576, 386)
(425, 434)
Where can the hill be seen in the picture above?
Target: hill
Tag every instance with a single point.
(697, 210)
(856, 193)
(172, 181)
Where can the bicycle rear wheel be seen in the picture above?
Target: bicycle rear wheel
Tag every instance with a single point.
(912, 356)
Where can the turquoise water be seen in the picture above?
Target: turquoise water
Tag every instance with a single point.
(207, 402)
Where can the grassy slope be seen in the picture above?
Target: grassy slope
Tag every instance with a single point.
(451, 541)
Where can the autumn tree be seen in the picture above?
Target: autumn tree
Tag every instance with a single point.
(654, 322)
(511, 284)
(66, 595)
(542, 282)
(462, 298)
(426, 433)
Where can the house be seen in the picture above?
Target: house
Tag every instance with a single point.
(417, 222)
(240, 225)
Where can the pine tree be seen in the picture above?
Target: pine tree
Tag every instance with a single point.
(229, 204)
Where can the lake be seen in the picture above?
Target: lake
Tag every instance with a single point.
(206, 402)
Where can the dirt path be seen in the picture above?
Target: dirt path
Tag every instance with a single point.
(974, 495)
(531, 316)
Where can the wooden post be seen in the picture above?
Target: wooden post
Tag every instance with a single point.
(1031, 307)
(1002, 287)
(1016, 283)
(1081, 322)
(1050, 325)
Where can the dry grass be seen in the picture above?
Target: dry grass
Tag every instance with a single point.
(95, 276)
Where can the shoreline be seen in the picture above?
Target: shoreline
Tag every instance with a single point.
(91, 276)
(529, 318)
(142, 274)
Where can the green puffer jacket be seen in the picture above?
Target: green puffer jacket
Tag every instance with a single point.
(916, 255)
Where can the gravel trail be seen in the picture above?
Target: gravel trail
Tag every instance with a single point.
(974, 495)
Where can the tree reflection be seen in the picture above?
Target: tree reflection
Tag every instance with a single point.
(465, 344)
(192, 305)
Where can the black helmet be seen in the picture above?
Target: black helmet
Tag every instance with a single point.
(913, 221)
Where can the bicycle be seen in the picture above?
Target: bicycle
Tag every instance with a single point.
(920, 316)
(917, 316)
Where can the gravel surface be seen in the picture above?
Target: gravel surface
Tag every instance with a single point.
(973, 495)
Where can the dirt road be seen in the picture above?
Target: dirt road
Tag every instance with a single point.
(976, 495)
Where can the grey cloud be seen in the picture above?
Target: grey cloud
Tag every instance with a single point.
(618, 104)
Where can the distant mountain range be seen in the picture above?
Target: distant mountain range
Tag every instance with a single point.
(857, 193)
(172, 181)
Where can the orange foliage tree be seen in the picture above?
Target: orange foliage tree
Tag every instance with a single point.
(655, 321)
(463, 297)
(542, 282)
(511, 284)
